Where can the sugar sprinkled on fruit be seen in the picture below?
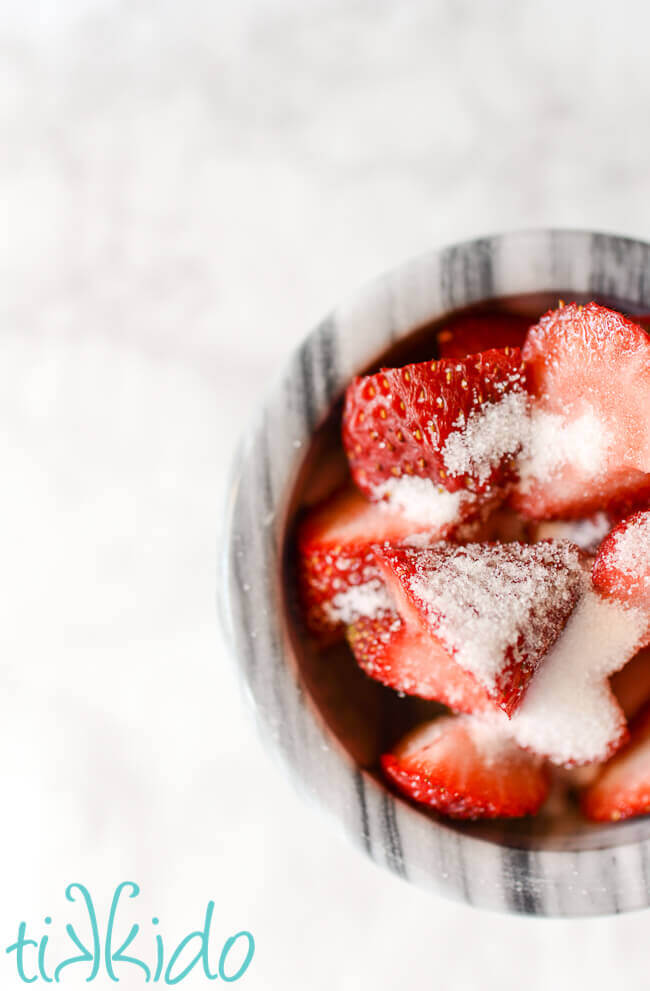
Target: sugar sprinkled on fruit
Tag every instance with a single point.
(497, 608)
(569, 713)
(370, 599)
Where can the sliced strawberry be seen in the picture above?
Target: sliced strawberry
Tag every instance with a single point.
(631, 685)
(457, 424)
(335, 559)
(569, 713)
(589, 371)
(463, 335)
(622, 789)
(468, 769)
(622, 568)
(496, 608)
(414, 663)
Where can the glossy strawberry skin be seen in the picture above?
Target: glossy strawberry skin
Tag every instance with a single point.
(396, 423)
(401, 657)
(622, 788)
(456, 774)
(471, 334)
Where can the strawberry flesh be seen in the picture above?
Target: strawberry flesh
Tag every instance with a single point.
(436, 420)
(334, 545)
(467, 769)
(622, 567)
(495, 608)
(589, 373)
(622, 788)
(402, 657)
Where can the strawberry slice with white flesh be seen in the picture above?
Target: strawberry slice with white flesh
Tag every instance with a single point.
(589, 449)
(622, 788)
(338, 576)
(495, 608)
(467, 769)
(403, 658)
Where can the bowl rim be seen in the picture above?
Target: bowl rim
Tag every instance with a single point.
(609, 876)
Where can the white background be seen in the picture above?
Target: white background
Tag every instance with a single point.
(187, 187)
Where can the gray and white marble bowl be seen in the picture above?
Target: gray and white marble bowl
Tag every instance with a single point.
(327, 720)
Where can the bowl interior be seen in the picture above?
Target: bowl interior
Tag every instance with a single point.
(368, 718)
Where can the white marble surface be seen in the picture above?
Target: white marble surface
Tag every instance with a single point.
(185, 189)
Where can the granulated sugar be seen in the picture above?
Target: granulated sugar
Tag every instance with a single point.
(554, 441)
(370, 599)
(489, 734)
(568, 712)
(424, 502)
(491, 432)
(496, 604)
(424, 539)
(631, 547)
(491, 738)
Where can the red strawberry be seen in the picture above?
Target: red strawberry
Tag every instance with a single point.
(631, 685)
(496, 608)
(471, 334)
(405, 659)
(456, 424)
(622, 568)
(622, 789)
(334, 543)
(589, 371)
(467, 769)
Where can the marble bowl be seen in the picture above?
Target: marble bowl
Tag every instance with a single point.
(325, 718)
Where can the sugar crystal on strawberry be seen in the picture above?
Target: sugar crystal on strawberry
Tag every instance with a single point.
(569, 713)
(622, 567)
(453, 566)
(496, 608)
(454, 423)
(338, 577)
(589, 374)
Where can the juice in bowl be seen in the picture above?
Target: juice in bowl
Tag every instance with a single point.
(435, 575)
